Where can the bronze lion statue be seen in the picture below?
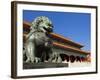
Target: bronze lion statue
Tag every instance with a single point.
(38, 46)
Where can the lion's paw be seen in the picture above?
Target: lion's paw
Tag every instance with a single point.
(37, 60)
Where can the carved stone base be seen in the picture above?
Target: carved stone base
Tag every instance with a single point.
(43, 65)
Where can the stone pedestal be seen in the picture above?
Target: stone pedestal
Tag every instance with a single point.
(43, 65)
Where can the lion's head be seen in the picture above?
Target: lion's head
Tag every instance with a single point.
(42, 23)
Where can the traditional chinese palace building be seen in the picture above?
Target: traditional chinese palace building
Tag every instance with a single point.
(69, 50)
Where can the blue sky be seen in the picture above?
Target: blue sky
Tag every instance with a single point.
(75, 26)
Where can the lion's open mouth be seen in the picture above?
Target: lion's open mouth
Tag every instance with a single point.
(48, 29)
